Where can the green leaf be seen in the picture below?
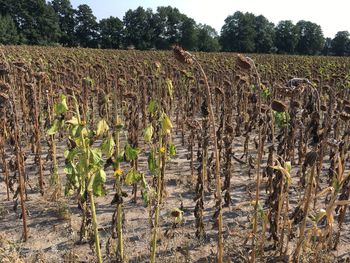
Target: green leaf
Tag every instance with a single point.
(91, 182)
(89, 81)
(265, 91)
(107, 146)
(82, 190)
(61, 107)
(101, 176)
(152, 107)
(288, 166)
(148, 133)
(73, 121)
(73, 130)
(281, 119)
(165, 123)
(102, 127)
(56, 126)
(131, 153)
(146, 190)
(96, 183)
(99, 190)
(170, 87)
(119, 127)
(83, 131)
(66, 153)
(72, 153)
(95, 157)
(132, 177)
(152, 163)
(144, 183)
(145, 196)
(68, 190)
(69, 168)
(120, 157)
(172, 150)
(72, 178)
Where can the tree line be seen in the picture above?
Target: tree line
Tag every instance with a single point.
(37, 22)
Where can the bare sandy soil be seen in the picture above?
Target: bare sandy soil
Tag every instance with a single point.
(54, 239)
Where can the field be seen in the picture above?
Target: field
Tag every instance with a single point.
(130, 156)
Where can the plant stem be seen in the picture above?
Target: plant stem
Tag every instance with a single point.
(89, 177)
(37, 139)
(119, 193)
(220, 251)
(94, 225)
(55, 177)
(306, 209)
(19, 159)
(156, 216)
(257, 193)
(6, 172)
(120, 232)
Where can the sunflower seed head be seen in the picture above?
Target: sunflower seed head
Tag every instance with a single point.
(182, 55)
(243, 62)
(278, 106)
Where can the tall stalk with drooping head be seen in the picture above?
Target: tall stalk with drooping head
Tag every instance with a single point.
(118, 187)
(310, 161)
(4, 103)
(247, 65)
(185, 57)
(8, 99)
(55, 181)
(163, 143)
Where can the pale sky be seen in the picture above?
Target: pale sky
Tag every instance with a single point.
(332, 16)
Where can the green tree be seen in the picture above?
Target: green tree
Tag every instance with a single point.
(265, 35)
(138, 31)
(36, 21)
(311, 40)
(65, 14)
(207, 38)
(341, 43)
(286, 37)
(7, 7)
(188, 38)
(167, 25)
(8, 31)
(238, 33)
(111, 32)
(327, 47)
(86, 30)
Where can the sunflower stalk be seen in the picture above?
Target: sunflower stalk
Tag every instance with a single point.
(186, 57)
